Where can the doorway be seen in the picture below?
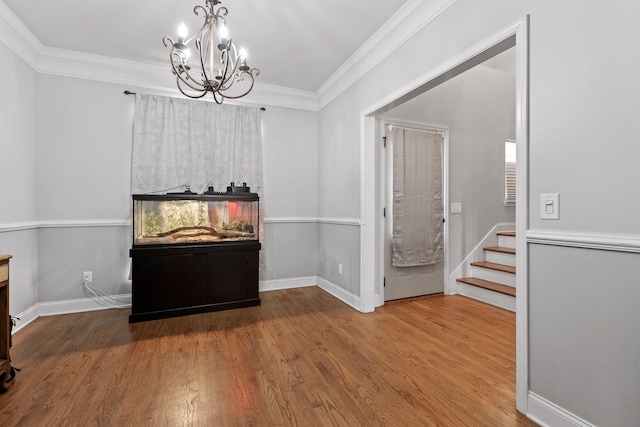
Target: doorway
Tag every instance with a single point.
(415, 191)
(372, 223)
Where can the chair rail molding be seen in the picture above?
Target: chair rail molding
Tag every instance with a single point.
(607, 242)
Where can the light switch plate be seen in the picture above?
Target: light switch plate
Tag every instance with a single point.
(550, 206)
(456, 208)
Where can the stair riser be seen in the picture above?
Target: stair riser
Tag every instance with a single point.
(497, 299)
(507, 279)
(500, 258)
(507, 241)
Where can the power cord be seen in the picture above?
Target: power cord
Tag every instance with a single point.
(103, 297)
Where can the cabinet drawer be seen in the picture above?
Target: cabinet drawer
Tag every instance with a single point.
(4, 272)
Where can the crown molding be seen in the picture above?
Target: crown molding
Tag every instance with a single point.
(407, 21)
(18, 37)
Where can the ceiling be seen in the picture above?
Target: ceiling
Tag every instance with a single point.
(295, 43)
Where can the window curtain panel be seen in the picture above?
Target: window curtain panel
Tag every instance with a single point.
(180, 142)
(418, 211)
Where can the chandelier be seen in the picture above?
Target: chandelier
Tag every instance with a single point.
(220, 68)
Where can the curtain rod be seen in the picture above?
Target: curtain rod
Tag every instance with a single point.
(128, 92)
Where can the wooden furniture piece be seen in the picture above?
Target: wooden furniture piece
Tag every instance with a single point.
(194, 253)
(182, 280)
(7, 373)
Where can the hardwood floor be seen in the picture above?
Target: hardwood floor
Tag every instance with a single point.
(303, 358)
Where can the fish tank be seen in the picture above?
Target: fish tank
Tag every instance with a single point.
(190, 218)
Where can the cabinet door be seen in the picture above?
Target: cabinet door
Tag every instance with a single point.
(168, 281)
(233, 276)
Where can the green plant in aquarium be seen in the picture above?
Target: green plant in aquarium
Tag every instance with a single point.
(185, 214)
(238, 224)
(151, 223)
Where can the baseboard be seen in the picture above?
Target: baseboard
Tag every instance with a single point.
(54, 308)
(80, 305)
(292, 283)
(548, 414)
(340, 293)
(26, 317)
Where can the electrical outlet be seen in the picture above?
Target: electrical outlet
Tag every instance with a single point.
(340, 269)
(87, 276)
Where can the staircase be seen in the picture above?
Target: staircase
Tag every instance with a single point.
(493, 281)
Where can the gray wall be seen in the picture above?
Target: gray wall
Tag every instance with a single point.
(69, 155)
(18, 138)
(584, 332)
(478, 107)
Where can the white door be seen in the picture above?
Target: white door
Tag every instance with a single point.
(411, 281)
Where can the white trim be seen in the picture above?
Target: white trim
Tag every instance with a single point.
(18, 37)
(292, 283)
(292, 220)
(521, 30)
(407, 21)
(339, 221)
(340, 293)
(547, 414)
(303, 220)
(54, 308)
(79, 305)
(19, 226)
(34, 225)
(85, 223)
(588, 241)
(26, 317)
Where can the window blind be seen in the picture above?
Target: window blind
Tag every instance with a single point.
(509, 172)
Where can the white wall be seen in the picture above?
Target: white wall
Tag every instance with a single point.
(18, 118)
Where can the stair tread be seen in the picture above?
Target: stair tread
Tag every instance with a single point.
(492, 286)
(495, 266)
(500, 249)
(507, 233)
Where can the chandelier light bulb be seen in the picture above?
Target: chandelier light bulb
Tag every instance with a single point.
(182, 31)
(219, 65)
(223, 32)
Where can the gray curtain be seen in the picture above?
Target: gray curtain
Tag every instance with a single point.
(418, 211)
(180, 142)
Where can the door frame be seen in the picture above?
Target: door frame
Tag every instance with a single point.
(384, 122)
(371, 249)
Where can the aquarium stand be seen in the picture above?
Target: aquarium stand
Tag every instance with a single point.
(178, 280)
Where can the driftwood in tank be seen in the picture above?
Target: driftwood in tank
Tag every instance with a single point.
(210, 230)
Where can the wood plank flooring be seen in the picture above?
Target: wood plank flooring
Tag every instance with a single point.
(303, 358)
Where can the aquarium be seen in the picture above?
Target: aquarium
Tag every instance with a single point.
(188, 218)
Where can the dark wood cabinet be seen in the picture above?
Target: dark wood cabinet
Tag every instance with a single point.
(189, 279)
(7, 373)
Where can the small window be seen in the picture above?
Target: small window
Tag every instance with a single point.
(509, 173)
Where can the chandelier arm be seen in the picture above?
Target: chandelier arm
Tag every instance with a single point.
(250, 87)
(183, 73)
(199, 94)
